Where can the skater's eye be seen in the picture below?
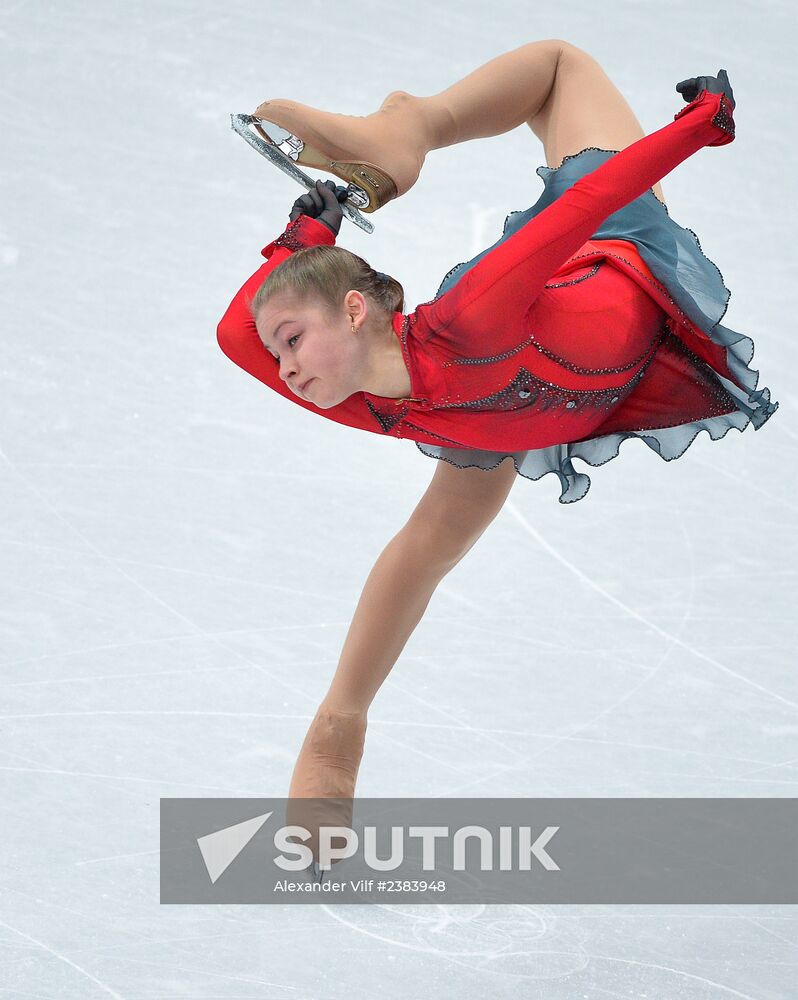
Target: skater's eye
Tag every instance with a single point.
(294, 337)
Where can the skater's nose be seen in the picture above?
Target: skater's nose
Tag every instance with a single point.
(295, 383)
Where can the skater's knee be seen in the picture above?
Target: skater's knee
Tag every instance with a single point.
(561, 48)
(397, 98)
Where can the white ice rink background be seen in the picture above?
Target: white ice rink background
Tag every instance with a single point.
(181, 550)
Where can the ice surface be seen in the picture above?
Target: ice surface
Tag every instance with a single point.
(182, 551)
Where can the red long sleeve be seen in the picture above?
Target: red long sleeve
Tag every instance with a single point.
(507, 280)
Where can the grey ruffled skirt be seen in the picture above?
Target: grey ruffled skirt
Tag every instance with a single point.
(675, 258)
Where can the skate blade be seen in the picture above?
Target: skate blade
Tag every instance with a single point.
(370, 186)
(245, 126)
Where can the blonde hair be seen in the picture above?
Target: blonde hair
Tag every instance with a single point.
(323, 275)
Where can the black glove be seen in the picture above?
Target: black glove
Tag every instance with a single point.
(690, 89)
(322, 202)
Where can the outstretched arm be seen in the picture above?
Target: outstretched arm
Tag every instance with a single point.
(508, 279)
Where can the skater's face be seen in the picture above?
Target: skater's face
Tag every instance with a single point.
(320, 359)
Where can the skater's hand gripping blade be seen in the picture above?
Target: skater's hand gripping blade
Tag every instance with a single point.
(246, 126)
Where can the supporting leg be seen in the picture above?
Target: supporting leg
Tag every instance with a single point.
(449, 519)
(393, 602)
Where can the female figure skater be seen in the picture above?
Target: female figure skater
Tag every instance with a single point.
(594, 318)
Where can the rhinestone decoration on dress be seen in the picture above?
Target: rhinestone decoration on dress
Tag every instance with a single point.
(601, 371)
(387, 420)
(575, 281)
(289, 239)
(527, 390)
(723, 120)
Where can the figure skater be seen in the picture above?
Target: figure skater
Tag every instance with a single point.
(592, 319)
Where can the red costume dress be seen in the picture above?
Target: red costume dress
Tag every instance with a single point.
(548, 340)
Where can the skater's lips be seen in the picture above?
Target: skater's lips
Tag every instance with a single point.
(301, 388)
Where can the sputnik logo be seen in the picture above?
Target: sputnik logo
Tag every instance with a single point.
(220, 849)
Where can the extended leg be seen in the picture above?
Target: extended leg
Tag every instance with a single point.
(557, 89)
(396, 138)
